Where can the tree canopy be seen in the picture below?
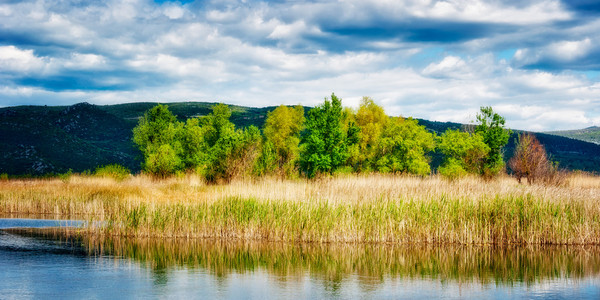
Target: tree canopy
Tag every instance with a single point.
(282, 134)
(157, 137)
(495, 136)
(330, 139)
(464, 153)
(325, 145)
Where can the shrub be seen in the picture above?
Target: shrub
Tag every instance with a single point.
(531, 161)
(452, 169)
(65, 176)
(114, 171)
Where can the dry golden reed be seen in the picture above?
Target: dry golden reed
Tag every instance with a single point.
(364, 208)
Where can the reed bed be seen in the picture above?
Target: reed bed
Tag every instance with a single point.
(364, 208)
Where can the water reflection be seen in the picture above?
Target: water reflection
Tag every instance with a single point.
(370, 264)
(252, 269)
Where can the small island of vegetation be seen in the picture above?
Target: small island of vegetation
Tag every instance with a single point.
(332, 175)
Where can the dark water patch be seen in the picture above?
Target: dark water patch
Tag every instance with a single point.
(33, 242)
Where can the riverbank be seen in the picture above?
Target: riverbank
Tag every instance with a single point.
(371, 209)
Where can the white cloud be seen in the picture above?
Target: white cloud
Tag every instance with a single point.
(174, 12)
(565, 51)
(570, 50)
(13, 59)
(262, 54)
(445, 68)
(79, 61)
(534, 12)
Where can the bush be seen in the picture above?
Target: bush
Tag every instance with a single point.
(114, 171)
(163, 162)
(531, 161)
(452, 170)
(65, 176)
(3, 176)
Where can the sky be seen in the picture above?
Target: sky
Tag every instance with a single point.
(537, 63)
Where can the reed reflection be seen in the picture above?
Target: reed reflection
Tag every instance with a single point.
(370, 264)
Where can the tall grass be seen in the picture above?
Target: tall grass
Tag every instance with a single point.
(374, 208)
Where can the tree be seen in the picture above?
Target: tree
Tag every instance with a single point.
(243, 159)
(530, 160)
(157, 137)
(163, 161)
(495, 136)
(464, 153)
(371, 121)
(195, 150)
(325, 147)
(403, 147)
(282, 135)
(221, 141)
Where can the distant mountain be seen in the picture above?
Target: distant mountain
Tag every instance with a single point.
(37, 140)
(590, 134)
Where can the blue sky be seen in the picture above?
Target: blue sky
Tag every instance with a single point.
(535, 62)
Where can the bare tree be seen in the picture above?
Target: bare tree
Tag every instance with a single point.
(531, 161)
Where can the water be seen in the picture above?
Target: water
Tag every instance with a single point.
(38, 223)
(53, 263)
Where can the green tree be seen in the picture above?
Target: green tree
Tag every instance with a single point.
(282, 135)
(163, 161)
(195, 149)
(491, 128)
(267, 160)
(325, 147)
(403, 147)
(157, 138)
(220, 141)
(371, 121)
(464, 153)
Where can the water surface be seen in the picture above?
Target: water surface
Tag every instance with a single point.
(52, 263)
(38, 223)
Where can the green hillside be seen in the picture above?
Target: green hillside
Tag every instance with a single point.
(38, 140)
(590, 134)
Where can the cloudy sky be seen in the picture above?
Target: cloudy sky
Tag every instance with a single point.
(536, 62)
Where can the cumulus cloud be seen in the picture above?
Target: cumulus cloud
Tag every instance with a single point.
(438, 60)
(13, 59)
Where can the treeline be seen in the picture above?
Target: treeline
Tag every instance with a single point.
(328, 139)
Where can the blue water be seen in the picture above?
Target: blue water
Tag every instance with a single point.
(38, 223)
(35, 266)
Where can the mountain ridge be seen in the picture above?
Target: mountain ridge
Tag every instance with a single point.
(37, 140)
(590, 134)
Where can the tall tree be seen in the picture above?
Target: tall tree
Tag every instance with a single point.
(325, 147)
(282, 134)
(221, 143)
(403, 147)
(464, 153)
(371, 121)
(491, 128)
(157, 138)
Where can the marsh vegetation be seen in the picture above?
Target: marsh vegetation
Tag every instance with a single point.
(353, 208)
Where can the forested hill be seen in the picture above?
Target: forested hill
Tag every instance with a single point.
(590, 134)
(39, 140)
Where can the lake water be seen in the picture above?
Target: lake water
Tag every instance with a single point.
(51, 263)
